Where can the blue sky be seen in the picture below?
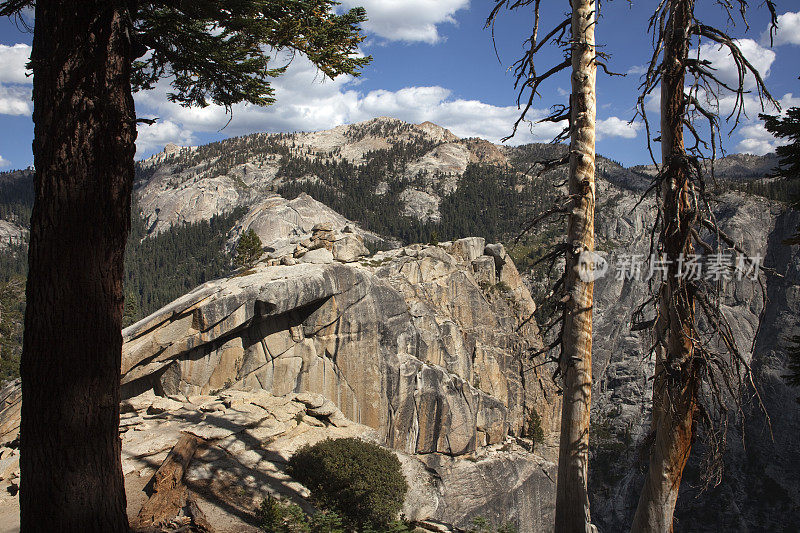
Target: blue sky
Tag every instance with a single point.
(434, 61)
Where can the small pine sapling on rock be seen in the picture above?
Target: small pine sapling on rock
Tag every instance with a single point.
(248, 250)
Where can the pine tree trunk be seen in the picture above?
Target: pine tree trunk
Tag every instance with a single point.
(675, 383)
(83, 153)
(572, 499)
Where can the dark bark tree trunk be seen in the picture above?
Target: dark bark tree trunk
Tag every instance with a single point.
(572, 497)
(83, 153)
(676, 372)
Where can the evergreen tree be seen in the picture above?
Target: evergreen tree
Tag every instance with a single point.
(12, 308)
(793, 377)
(211, 51)
(248, 250)
(130, 309)
(786, 127)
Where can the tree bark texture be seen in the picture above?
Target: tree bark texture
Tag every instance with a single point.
(572, 499)
(71, 473)
(676, 374)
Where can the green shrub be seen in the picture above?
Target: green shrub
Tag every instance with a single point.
(480, 524)
(607, 445)
(327, 522)
(275, 516)
(395, 526)
(359, 480)
(502, 286)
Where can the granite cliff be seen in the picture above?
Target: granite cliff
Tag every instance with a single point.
(425, 344)
(423, 349)
(760, 468)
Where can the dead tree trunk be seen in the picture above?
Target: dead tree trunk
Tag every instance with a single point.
(83, 153)
(572, 499)
(169, 492)
(676, 373)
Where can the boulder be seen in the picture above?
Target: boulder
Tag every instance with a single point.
(467, 249)
(484, 270)
(497, 251)
(326, 226)
(349, 248)
(319, 256)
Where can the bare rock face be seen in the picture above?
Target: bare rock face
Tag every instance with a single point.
(622, 361)
(502, 485)
(406, 342)
(449, 160)
(293, 228)
(12, 234)
(167, 202)
(421, 205)
(249, 436)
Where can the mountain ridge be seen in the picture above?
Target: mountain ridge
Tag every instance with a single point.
(189, 184)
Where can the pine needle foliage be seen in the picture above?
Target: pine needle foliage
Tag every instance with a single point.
(786, 127)
(214, 50)
(248, 250)
(225, 52)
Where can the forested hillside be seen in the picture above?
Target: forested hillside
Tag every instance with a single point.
(158, 269)
(364, 174)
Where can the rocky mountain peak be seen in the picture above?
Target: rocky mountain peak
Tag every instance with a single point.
(436, 132)
(172, 148)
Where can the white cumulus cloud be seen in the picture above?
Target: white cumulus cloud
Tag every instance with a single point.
(756, 139)
(15, 86)
(725, 69)
(616, 127)
(307, 103)
(15, 100)
(637, 70)
(4, 162)
(153, 137)
(408, 20)
(12, 63)
(788, 31)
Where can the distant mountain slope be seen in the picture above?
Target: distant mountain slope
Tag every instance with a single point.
(405, 182)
